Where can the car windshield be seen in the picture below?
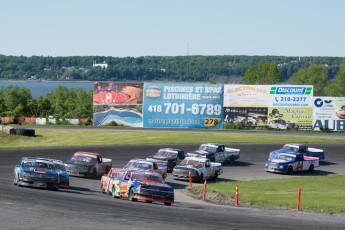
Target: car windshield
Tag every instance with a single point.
(286, 157)
(207, 148)
(36, 164)
(85, 158)
(118, 174)
(169, 154)
(146, 177)
(291, 148)
(60, 167)
(143, 165)
(194, 163)
(131, 164)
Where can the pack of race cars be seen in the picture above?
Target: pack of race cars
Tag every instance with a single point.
(143, 179)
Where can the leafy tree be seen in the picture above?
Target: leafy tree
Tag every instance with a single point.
(15, 101)
(249, 76)
(313, 75)
(266, 73)
(337, 88)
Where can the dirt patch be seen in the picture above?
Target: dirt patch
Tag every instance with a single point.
(212, 197)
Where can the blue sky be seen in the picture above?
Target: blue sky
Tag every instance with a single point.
(172, 28)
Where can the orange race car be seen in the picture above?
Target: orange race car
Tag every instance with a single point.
(137, 185)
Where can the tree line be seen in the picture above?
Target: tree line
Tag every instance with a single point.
(316, 75)
(65, 103)
(62, 103)
(154, 68)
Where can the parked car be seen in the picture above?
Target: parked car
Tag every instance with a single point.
(36, 172)
(282, 124)
(168, 156)
(291, 162)
(87, 164)
(147, 186)
(216, 153)
(300, 148)
(200, 168)
(146, 165)
(63, 174)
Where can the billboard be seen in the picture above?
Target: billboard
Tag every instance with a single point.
(118, 103)
(274, 106)
(178, 105)
(290, 107)
(245, 95)
(115, 93)
(329, 113)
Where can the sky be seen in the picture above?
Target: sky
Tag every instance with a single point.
(134, 28)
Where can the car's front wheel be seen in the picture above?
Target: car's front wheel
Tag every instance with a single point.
(290, 170)
(113, 192)
(131, 194)
(311, 169)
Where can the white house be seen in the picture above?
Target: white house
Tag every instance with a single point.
(103, 66)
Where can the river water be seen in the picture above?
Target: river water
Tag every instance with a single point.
(42, 88)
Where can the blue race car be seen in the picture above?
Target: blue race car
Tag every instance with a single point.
(36, 172)
(61, 169)
(298, 148)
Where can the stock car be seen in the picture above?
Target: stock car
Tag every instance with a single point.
(168, 156)
(87, 164)
(146, 165)
(290, 162)
(146, 186)
(110, 181)
(36, 172)
(216, 153)
(299, 148)
(61, 169)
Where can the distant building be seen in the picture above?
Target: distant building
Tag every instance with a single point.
(103, 65)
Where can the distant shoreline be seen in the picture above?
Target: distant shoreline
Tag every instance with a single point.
(40, 81)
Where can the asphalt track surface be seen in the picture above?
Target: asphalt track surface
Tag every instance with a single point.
(84, 207)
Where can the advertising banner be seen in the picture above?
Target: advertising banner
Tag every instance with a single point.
(115, 93)
(118, 103)
(246, 116)
(246, 95)
(329, 113)
(290, 118)
(125, 115)
(290, 107)
(290, 96)
(177, 105)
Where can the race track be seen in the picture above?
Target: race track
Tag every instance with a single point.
(84, 207)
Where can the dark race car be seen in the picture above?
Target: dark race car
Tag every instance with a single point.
(168, 156)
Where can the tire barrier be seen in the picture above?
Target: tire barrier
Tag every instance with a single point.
(17, 131)
(9, 130)
(25, 132)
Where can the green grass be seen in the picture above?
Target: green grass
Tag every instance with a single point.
(68, 137)
(318, 193)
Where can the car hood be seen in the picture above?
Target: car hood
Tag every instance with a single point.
(279, 161)
(186, 167)
(162, 158)
(155, 183)
(38, 170)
